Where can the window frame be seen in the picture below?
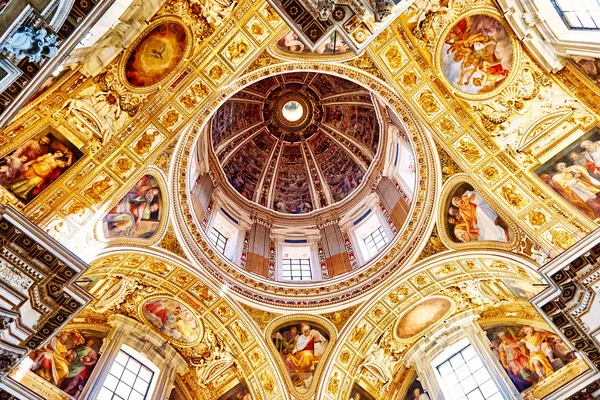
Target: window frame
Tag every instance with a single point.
(565, 19)
(302, 262)
(150, 382)
(374, 249)
(445, 384)
(216, 242)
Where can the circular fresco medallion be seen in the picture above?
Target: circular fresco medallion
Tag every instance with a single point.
(422, 316)
(172, 319)
(156, 55)
(477, 55)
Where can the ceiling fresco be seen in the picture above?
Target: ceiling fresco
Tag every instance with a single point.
(342, 138)
(503, 158)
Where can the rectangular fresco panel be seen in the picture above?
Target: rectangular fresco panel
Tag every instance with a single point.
(64, 365)
(528, 354)
(574, 173)
(521, 289)
(34, 165)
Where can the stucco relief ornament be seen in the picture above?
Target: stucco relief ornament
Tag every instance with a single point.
(202, 15)
(7, 360)
(105, 104)
(382, 9)
(540, 256)
(210, 358)
(34, 43)
(324, 7)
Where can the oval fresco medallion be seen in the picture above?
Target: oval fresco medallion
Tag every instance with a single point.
(156, 55)
(477, 55)
(422, 316)
(172, 319)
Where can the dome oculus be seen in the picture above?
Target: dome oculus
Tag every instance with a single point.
(297, 142)
(292, 111)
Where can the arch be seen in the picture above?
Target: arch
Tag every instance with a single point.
(201, 295)
(399, 296)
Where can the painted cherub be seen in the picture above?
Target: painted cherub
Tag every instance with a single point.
(13, 166)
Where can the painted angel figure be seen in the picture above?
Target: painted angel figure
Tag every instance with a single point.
(13, 165)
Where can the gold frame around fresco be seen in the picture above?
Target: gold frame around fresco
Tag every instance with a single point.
(297, 318)
(165, 295)
(165, 203)
(276, 52)
(516, 47)
(122, 63)
(451, 311)
(448, 187)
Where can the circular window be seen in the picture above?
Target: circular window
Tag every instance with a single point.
(292, 111)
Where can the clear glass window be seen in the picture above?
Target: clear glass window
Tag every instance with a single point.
(218, 240)
(579, 14)
(465, 377)
(296, 269)
(128, 379)
(375, 241)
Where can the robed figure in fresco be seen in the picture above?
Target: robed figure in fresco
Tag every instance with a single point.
(34, 165)
(53, 360)
(539, 350)
(136, 215)
(528, 355)
(301, 351)
(474, 219)
(67, 361)
(84, 360)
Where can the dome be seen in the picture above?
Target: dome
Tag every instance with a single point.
(297, 142)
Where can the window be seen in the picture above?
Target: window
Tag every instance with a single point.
(218, 240)
(579, 14)
(375, 241)
(466, 378)
(128, 379)
(296, 269)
